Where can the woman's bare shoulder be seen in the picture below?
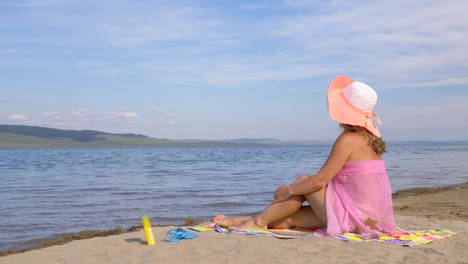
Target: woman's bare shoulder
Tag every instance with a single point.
(358, 147)
(348, 142)
(350, 138)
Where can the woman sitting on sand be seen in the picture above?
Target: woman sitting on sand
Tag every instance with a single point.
(351, 192)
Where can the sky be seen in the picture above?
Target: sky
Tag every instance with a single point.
(232, 69)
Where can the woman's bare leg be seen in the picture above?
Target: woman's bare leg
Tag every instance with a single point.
(310, 217)
(303, 218)
(223, 220)
(285, 207)
(287, 214)
(275, 211)
(317, 201)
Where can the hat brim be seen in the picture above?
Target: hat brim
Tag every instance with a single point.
(342, 111)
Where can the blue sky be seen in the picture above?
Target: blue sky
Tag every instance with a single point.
(232, 69)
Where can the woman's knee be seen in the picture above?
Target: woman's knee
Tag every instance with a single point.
(299, 198)
(318, 195)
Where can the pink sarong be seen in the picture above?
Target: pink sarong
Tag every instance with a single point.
(359, 200)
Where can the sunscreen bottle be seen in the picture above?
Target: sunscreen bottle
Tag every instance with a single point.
(148, 231)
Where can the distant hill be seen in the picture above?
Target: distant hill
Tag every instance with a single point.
(18, 136)
(52, 133)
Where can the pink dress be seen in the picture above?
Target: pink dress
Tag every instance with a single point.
(359, 200)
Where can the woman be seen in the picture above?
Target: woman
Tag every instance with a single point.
(351, 192)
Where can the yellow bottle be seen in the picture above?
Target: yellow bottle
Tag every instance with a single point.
(148, 231)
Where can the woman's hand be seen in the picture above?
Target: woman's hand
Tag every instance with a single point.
(282, 193)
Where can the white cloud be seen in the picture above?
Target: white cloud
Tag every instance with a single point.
(402, 42)
(153, 109)
(121, 114)
(17, 117)
(101, 68)
(30, 3)
(50, 114)
(411, 41)
(234, 71)
(85, 117)
(168, 122)
(107, 71)
(431, 82)
(405, 42)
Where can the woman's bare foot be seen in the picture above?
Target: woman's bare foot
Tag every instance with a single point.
(223, 220)
(218, 219)
(249, 224)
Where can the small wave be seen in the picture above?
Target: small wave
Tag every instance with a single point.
(129, 193)
(97, 189)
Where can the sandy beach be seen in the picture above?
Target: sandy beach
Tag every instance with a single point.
(422, 208)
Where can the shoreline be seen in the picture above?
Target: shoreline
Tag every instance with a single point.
(61, 239)
(443, 202)
(433, 203)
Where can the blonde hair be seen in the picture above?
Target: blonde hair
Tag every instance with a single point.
(378, 144)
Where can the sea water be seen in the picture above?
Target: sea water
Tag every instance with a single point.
(45, 192)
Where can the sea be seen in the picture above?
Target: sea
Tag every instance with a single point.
(48, 192)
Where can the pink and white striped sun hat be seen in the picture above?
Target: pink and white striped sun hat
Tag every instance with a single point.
(352, 103)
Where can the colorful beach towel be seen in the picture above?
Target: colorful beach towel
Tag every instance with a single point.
(403, 237)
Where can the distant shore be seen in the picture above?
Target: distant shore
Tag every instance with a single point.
(428, 205)
(34, 137)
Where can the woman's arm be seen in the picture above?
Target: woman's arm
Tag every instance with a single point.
(339, 154)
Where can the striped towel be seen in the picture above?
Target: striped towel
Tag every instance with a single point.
(403, 237)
